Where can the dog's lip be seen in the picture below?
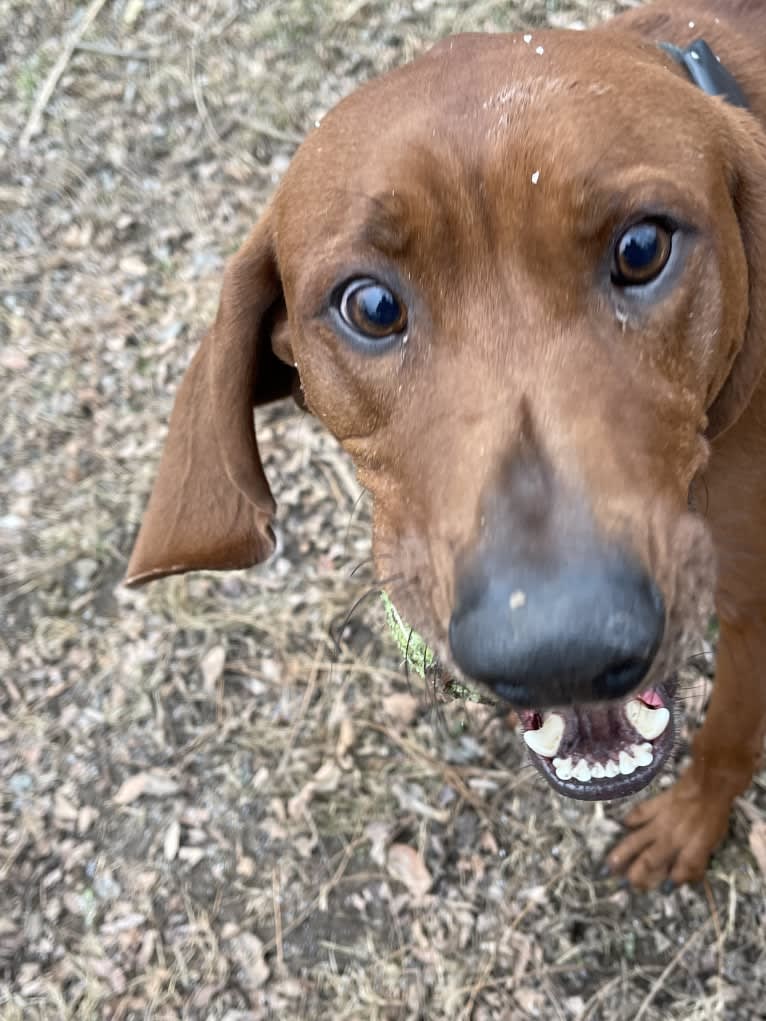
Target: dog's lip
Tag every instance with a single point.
(574, 746)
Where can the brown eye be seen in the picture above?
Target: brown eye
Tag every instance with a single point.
(373, 310)
(641, 254)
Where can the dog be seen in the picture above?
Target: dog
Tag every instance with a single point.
(521, 279)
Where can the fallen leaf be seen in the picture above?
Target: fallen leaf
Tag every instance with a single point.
(327, 778)
(758, 844)
(247, 951)
(132, 266)
(378, 833)
(325, 782)
(401, 708)
(406, 864)
(64, 810)
(192, 855)
(172, 840)
(132, 12)
(531, 1001)
(211, 665)
(103, 968)
(85, 819)
(345, 738)
(154, 785)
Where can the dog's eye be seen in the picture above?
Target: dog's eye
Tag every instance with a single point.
(641, 254)
(372, 309)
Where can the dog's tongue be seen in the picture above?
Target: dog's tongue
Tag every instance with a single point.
(601, 751)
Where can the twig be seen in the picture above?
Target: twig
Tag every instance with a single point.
(302, 710)
(55, 73)
(669, 967)
(324, 890)
(107, 50)
(277, 898)
(479, 984)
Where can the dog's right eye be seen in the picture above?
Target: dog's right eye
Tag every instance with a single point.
(641, 253)
(371, 309)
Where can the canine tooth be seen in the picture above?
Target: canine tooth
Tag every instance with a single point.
(582, 771)
(597, 771)
(627, 764)
(546, 739)
(564, 769)
(649, 723)
(611, 768)
(642, 753)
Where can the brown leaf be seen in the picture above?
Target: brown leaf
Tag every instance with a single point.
(154, 785)
(346, 738)
(401, 708)
(406, 864)
(85, 818)
(325, 782)
(758, 844)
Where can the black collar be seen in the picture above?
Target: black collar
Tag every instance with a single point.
(707, 71)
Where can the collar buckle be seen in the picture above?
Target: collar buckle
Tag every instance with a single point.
(707, 71)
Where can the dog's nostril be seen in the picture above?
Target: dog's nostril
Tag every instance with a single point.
(621, 679)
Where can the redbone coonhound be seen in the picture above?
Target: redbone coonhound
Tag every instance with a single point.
(523, 281)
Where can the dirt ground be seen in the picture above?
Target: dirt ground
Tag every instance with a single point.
(207, 811)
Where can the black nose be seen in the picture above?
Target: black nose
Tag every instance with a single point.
(582, 631)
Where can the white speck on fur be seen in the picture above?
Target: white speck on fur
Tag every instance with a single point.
(691, 24)
(539, 51)
(535, 177)
(527, 39)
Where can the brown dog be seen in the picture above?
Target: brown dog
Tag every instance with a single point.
(522, 281)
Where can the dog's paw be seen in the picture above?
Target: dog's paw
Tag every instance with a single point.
(673, 836)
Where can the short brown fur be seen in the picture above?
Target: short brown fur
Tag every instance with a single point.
(424, 178)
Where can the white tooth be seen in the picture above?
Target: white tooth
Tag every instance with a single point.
(642, 753)
(582, 771)
(546, 739)
(627, 764)
(649, 723)
(611, 768)
(597, 771)
(564, 769)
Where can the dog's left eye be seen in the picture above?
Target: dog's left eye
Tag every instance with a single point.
(372, 309)
(641, 254)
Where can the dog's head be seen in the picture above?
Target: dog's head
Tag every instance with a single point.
(520, 281)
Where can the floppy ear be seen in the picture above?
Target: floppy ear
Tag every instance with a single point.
(746, 145)
(211, 506)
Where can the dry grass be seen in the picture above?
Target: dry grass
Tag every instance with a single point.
(208, 812)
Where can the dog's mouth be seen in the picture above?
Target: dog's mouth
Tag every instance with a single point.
(604, 751)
